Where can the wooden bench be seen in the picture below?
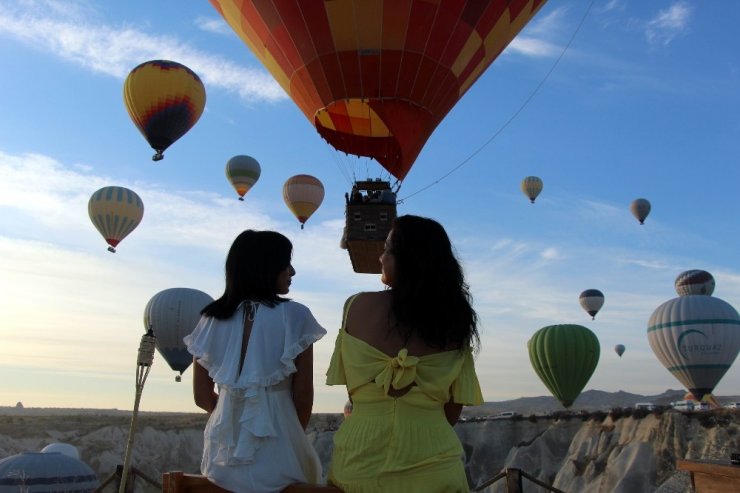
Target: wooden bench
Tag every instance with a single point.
(180, 482)
(711, 476)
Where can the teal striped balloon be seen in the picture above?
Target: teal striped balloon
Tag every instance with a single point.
(115, 212)
(243, 172)
(697, 338)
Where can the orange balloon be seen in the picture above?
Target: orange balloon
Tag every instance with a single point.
(376, 77)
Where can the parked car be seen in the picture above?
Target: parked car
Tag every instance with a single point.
(505, 415)
(683, 405)
(733, 405)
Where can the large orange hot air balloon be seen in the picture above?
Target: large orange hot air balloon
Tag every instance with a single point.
(303, 194)
(376, 77)
(164, 99)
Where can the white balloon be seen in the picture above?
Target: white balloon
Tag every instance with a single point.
(62, 448)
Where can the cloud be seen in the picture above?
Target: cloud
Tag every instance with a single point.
(668, 23)
(213, 25)
(73, 34)
(534, 40)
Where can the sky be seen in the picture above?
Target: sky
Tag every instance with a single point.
(636, 99)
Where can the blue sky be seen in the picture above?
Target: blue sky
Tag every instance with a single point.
(644, 103)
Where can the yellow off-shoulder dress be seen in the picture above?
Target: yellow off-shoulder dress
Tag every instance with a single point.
(402, 444)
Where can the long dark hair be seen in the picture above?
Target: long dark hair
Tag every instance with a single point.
(252, 265)
(429, 295)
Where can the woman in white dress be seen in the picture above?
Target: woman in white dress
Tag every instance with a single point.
(255, 347)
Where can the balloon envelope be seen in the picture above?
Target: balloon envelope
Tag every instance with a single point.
(375, 78)
(694, 281)
(303, 194)
(243, 172)
(172, 314)
(62, 448)
(531, 187)
(640, 208)
(115, 212)
(164, 99)
(36, 472)
(591, 300)
(564, 357)
(619, 349)
(697, 338)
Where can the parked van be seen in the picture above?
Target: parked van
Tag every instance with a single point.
(505, 415)
(683, 405)
(733, 405)
(645, 405)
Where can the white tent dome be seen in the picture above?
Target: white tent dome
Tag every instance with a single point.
(62, 448)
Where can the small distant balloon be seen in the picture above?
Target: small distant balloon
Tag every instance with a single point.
(347, 408)
(243, 172)
(640, 209)
(591, 300)
(531, 187)
(619, 349)
(303, 194)
(564, 357)
(694, 281)
(164, 99)
(115, 212)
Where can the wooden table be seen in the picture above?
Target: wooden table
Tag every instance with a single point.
(712, 476)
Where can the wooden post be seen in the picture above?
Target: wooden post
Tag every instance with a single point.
(513, 480)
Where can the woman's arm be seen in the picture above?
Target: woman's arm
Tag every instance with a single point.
(303, 386)
(205, 397)
(452, 412)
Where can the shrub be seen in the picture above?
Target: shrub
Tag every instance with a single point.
(616, 413)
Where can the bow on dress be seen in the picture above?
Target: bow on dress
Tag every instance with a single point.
(399, 372)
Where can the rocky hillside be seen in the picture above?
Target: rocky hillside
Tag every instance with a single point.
(624, 452)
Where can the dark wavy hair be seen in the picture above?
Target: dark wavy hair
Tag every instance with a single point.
(429, 295)
(252, 266)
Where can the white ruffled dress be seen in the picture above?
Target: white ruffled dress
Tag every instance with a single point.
(253, 441)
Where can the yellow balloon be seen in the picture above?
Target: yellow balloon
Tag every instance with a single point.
(115, 212)
(303, 194)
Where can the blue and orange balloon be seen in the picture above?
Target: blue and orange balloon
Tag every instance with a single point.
(115, 212)
(164, 99)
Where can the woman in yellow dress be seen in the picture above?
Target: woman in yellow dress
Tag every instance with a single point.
(406, 357)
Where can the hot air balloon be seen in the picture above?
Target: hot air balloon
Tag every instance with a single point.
(694, 281)
(172, 314)
(375, 78)
(697, 338)
(243, 172)
(591, 300)
(564, 357)
(347, 408)
(115, 212)
(531, 186)
(640, 209)
(303, 194)
(619, 349)
(46, 471)
(164, 99)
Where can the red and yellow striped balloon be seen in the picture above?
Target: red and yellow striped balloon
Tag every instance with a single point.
(376, 77)
(164, 99)
(303, 194)
(115, 212)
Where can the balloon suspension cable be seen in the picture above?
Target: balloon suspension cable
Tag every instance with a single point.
(515, 114)
(143, 365)
(158, 156)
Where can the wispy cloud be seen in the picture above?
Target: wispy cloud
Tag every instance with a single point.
(213, 25)
(75, 35)
(536, 39)
(668, 23)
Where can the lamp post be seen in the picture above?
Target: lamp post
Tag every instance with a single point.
(143, 365)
